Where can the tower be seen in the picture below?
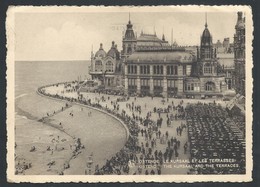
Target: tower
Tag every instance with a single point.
(206, 46)
(207, 56)
(239, 52)
(129, 40)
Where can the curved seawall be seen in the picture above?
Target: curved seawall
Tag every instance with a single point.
(83, 105)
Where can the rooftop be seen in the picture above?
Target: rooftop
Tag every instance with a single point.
(165, 56)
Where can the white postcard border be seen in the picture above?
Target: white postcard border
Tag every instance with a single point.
(11, 177)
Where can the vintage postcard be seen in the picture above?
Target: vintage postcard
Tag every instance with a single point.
(108, 94)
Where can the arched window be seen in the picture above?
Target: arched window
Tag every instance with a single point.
(109, 66)
(209, 86)
(98, 65)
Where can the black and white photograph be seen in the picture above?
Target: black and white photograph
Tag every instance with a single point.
(129, 93)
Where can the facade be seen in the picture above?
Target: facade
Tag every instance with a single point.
(149, 65)
(107, 67)
(158, 73)
(226, 60)
(239, 55)
(164, 70)
(208, 78)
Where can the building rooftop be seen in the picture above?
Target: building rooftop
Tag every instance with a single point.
(225, 55)
(163, 56)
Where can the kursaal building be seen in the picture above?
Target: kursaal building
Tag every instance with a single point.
(151, 66)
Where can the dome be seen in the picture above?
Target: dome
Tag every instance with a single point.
(206, 38)
(113, 52)
(100, 53)
(129, 34)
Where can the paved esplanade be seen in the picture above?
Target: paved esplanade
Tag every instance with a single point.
(147, 104)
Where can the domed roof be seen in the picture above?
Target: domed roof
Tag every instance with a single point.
(129, 33)
(100, 53)
(113, 52)
(206, 38)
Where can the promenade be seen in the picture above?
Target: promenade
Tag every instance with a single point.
(139, 109)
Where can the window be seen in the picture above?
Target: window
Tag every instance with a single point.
(161, 70)
(190, 86)
(184, 70)
(144, 82)
(141, 70)
(135, 69)
(168, 70)
(98, 65)
(210, 86)
(128, 69)
(172, 84)
(171, 71)
(109, 66)
(157, 82)
(131, 82)
(207, 69)
(129, 49)
(175, 70)
(145, 69)
(148, 69)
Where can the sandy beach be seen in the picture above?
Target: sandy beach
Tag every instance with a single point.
(94, 131)
(107, 101)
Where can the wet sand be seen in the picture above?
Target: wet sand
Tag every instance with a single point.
(101, 135)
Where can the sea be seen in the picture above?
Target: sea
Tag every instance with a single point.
(29, 75)
(30, 107)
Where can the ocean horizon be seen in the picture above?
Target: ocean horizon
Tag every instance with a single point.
(29, 75)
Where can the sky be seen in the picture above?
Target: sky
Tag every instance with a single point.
(58, 36)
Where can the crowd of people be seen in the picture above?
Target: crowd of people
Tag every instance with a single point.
(211, 137)
(141, 154)
(137, 126)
